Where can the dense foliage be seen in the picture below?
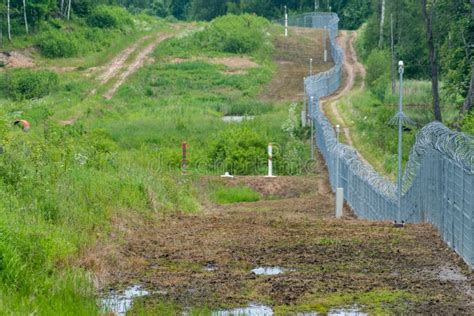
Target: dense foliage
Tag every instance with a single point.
(241, 34)
(29, 84)
(109, 17)
(453, 31)
(352, 12)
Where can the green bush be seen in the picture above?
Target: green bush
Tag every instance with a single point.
(468, 124)
(239, 150)
(241, 34)
(227, 195)
(57, 44)
(378, 72)
(104, 16)
(30, 84)
(378, 65)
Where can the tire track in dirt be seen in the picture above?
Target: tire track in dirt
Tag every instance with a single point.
(117, 67)
(116, 64)
(135, 65)
(113, 68)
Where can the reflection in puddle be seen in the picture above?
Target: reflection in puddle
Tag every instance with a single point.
(210, 267)
(236, 119)
(251, 310)
(120, 303)
(354, 311)
(263, 310)
(269, 270)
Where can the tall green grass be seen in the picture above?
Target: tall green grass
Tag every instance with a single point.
(228, 195)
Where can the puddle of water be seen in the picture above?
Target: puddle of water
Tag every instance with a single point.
(210, 267)
(236, 119)
(251, 310)
(120, 303)
(269, 270)
(451, 274)
(255, 309)
(353, 311)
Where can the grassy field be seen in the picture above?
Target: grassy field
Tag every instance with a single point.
(64, 183)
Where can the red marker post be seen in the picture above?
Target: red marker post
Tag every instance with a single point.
(184, 162)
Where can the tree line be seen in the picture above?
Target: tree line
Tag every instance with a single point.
(435, 39)
(18, 16)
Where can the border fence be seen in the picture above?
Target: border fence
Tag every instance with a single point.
(438, 183)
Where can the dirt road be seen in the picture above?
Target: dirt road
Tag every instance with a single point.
(119, 69)
(352, 69)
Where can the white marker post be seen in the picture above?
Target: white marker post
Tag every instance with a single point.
(339, 191)
(286, 22)
(311, 111)
(339, 202)
(270, 161)
(325, 44)
(311, 66)
(304, 113)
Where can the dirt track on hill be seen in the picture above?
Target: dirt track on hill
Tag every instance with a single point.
(206, 259)
(118, 69)
(352, 69)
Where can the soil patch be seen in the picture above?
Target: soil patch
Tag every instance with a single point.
(292, 57)
(17, 59)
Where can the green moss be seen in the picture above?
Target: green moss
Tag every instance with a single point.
(377, 302)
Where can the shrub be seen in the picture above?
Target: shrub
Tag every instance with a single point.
(105, 16)
(30, 84)
(240, 150)
(240, 34)
(468, 124)
(378, 65)
(57, 44)
(378, 72)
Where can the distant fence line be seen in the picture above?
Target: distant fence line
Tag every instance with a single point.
(438, 184)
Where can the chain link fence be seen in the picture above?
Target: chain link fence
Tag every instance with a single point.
(439, 177)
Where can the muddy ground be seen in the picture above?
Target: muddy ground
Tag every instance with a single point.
(171, 255)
